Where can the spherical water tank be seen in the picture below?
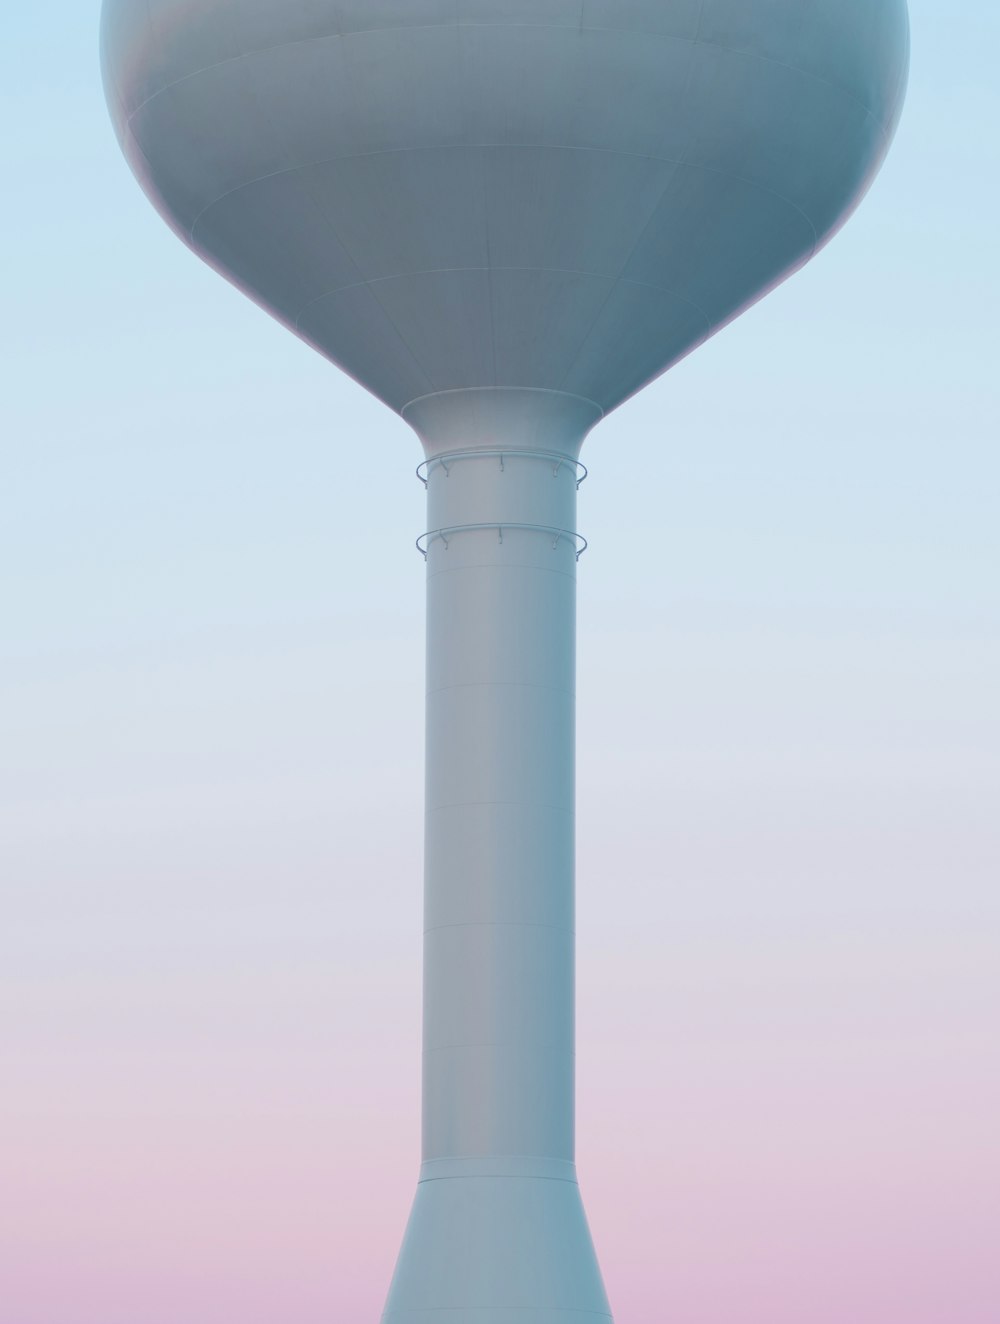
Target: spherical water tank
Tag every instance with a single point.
(505, 214)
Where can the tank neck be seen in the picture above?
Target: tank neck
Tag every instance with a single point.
(486, 418)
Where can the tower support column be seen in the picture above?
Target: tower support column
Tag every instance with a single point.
(498, 1234)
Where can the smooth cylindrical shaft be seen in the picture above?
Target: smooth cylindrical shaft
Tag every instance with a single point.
(499, 982)
(498, 1233)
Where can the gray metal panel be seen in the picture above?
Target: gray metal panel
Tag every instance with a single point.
(489, 166)
(531, 190)
(679, 19)
(858, 46)
(696, 247)
(633, 92)
(423, 236)
(527, 303)
(799, 138)
(537, 13)
(373, 350)
(240, 232)
(190, 35)
(457, 303)
(638, 329)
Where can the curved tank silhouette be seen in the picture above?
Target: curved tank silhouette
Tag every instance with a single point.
(503, 217)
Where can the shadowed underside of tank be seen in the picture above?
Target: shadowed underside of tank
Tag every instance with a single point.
(561, 196)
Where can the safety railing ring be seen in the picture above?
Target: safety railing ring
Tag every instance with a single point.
(577, 540)
(557, 461)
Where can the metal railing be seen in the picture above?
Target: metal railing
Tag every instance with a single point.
(577, 540)
(557, 461)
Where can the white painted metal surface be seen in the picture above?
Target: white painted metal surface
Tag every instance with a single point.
(498, 1219)
(503, 217)
(565, 194)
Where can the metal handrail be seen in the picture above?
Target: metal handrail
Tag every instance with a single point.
(554, 458)
(579, 542)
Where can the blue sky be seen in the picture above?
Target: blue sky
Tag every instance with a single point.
(211, 697)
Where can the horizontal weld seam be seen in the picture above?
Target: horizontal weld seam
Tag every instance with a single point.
(589, 27)
(499, 1176)
(502, 924)
(519, 804)
(472, 390)
(498, 1158)
(560, 1310)
(516, 804)
(502, 685)
(551, 1048)
(501, 565)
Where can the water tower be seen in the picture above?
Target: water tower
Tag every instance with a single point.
(503, 217)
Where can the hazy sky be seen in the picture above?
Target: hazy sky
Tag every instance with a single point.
(211, 720)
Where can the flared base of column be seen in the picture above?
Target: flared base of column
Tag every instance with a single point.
(515, 1316)
(507, 1242)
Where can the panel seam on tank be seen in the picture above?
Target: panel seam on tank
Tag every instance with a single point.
(614, 281)
(489, 239)
(437, 147)
(796, 69)
(434, 147)
(444, 271)
(318, 37)
(448, 271)
(902, 82)
(308, 185)
(764, 188)
(421, 368)
(751, 183)
(684, 163)
(552, 27)
(583, 343)
(452, 146)
(701, 21)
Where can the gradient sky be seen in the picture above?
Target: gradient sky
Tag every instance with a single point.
(211, 661)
